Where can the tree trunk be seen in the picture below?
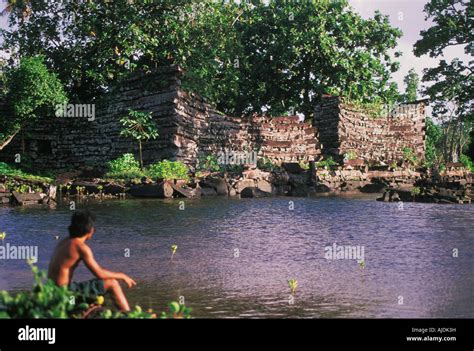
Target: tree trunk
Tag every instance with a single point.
(6, 142)
(140, 151)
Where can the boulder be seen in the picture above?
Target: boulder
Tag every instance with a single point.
(217, 183)
(279, 177)
(292, 167)
(265, 186)
(251, 192)
(161, 190)
(321, 188)
(242, 184)
(373, 188)
(27, 199)
(208, 192)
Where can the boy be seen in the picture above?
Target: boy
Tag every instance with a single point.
(71, 251)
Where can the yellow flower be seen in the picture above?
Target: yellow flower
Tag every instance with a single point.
(100, 300)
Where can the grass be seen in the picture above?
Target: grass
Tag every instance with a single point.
(10, 171)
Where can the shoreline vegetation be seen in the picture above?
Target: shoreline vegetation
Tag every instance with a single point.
(47, 300)
(124, 177)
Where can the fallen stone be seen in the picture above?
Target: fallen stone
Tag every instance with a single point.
(161, 190)
(253, 192)
(208, 192)
(265, 186)
(292, 167)
(219, 184)
(242, 184)
(26, 199)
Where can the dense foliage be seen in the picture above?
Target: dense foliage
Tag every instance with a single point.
(47, 300)
(33, 92)
(169, 170)
(242, 57)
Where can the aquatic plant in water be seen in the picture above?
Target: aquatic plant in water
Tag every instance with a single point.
(292, 284)
(173, 250)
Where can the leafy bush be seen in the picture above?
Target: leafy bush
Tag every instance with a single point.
(351, 155)
(139, 126)
(265, 164)
(415, 191)
(124, 167)
(409, 156)
(7, 170)
(169, 170)
(33, 92)
(47, 300)
(175, 311)
(304, 165)
(467, 162)
(329, 162)
(209, 163)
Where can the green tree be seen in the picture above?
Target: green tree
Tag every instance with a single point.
(297, 51)
(451, 83)
(33, 92)
(434, 134)
(139, 126)
(241, 57)
(412, 81)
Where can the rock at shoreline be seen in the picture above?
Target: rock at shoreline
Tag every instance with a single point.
(242, 184)
(208, 192)
(265, 186)
(216, 183)
(162, 190)
(27, 199)
(253, 192)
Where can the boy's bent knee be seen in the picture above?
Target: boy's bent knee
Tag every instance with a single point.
(111, 284)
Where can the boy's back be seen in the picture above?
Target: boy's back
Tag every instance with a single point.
(64, 261)
(71, 251)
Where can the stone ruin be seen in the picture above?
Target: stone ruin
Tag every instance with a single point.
(189, 126)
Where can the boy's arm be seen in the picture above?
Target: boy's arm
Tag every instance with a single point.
(98, 271)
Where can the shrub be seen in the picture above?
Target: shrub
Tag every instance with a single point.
(329, 162)
(265, 164)
(47, 300)
(409, 156)
(169, 170)
(209, 163)
(6, 169)
(467, 162)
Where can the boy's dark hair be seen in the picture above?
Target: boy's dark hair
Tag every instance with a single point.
(82, 223)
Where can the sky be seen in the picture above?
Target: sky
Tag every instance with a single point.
(407, 15)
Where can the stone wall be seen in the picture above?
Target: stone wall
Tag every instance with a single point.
(343, 128)
(71, 142)
(187, 125)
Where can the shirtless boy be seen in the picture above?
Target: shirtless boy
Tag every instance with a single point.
(71, 251)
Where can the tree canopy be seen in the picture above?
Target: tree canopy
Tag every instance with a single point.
(282, 56)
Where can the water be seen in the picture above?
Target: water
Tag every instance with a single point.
(235, 255)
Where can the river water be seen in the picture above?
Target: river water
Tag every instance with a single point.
(235, 256)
